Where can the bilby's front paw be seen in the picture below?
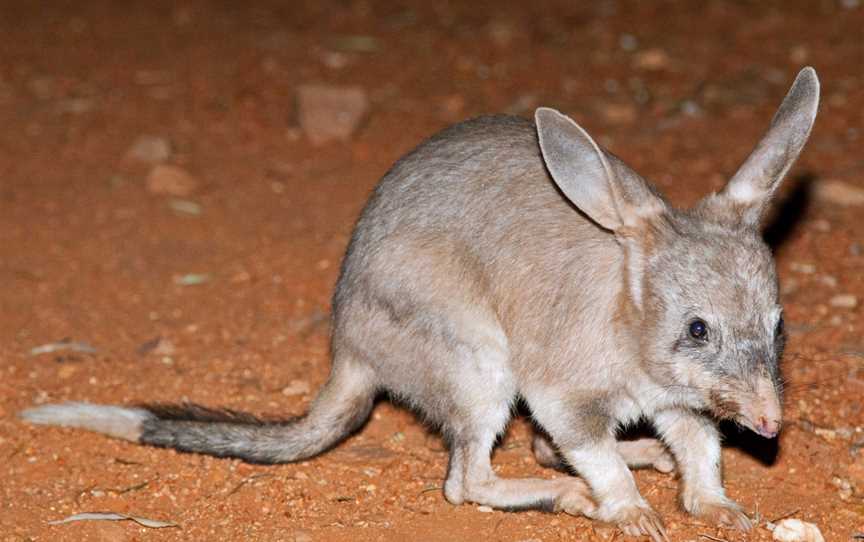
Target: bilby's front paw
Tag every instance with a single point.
(643, 521)
(636, 520)
(722, 512)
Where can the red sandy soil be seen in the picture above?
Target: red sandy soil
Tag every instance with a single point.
(681, 90)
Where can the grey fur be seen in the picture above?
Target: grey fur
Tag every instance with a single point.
(488, 267)
(342, 406)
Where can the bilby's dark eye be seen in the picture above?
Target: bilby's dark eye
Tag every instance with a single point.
(780, 327)
(698, 330)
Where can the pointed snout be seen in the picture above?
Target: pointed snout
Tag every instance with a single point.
(767, 428)
(763, 413)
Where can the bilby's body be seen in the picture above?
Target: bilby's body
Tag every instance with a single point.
(505, 259)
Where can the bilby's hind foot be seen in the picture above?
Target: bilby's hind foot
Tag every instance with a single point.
(568, 494)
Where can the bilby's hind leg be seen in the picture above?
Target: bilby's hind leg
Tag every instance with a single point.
(471, 478)
(638, 454)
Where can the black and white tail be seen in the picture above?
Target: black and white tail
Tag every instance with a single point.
(341, 407)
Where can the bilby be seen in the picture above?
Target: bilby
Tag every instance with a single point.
(506, 260)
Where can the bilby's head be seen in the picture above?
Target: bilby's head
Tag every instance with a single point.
(701, 282)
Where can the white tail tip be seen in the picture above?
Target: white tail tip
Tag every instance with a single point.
(119, 422)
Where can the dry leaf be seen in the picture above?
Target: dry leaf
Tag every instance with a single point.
(114, 516)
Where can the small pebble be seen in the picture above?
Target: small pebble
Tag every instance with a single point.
(501, 33)
(42, 87)
(844, 487)
(75, 106)
(828, 280)
(485, 509)
(799, 54)
(191, 279)
(821, 225)
(619, 113)
(185, 206)
(452, 106)
(651, 59)
(334, 60)
(844, 301)
(296, 387)
(789, 286)
(164, 348)
(827, 434)
(691, 108)
(149, 148)
(171, 180)
(805, 268)
(628, 42)
(837, 99)
(839, 193)
(523, 104)
(356, 43)
(330, 113)
(795, 530)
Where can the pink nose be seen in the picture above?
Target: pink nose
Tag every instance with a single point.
(767, 428)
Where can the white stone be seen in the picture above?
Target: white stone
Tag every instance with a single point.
(149, 148)
(330, 113)
(171, 180)
(844, 301)
(795, 530)
(839, 193)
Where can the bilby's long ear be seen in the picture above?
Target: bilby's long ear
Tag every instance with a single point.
(751, 188)
(598, 183)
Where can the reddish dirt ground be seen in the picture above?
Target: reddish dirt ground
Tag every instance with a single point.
(681, 90)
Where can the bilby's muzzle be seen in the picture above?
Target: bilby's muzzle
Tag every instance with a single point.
(761, 411)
